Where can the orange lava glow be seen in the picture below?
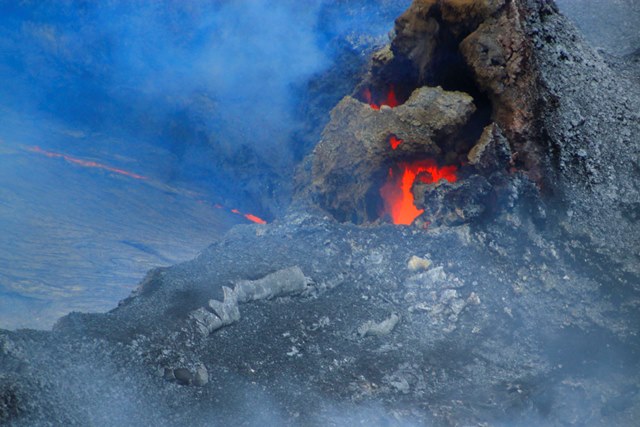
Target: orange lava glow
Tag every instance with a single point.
(250, 217)
(85, 163)
(255, 219)
(396, 192)
(91, 164)
(389, 100)
(395, 142)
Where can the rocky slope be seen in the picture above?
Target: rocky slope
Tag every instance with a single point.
(514, 318)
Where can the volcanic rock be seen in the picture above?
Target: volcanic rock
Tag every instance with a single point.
(379, 329)
(492, 152)
(283, 282)
(519, 322)
(453, 203)
(419, 30)
(354, 155)
(417, 263)
(289, 281)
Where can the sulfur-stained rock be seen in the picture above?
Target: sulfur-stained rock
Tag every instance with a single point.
(354, 154)
(417, 263)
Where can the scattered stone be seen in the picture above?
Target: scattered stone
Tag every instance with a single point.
(416, 263)
(473, 299)
(201, 376)
(294, 352)
(379, 329)
(428, 279)
(399, 383)
(183, 376)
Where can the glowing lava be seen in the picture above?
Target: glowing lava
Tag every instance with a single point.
(250, 217)
(396, 192)
(255, 219)
(85, 163)
(390, 100)
(395, 142)
(91, 164)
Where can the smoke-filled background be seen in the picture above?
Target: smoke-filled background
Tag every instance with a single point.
(130, 132)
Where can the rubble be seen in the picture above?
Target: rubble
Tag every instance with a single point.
(416, 263)
(344, 186)
(379, 329)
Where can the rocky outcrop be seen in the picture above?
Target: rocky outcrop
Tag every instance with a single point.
(474, 51)
(354, 154)
(513, 321)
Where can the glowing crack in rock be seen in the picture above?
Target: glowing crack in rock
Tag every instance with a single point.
(389, 100)
(395, 142)
(397, 192)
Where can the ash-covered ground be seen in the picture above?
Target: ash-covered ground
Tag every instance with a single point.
(529, 316)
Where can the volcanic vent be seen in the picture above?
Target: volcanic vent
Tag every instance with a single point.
(438, 126)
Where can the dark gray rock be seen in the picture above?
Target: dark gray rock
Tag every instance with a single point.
(519, 320)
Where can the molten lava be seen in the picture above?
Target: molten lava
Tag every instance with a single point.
(85, 163)
(255, 219)
(389, 100)
(91, 164)
(396, 192)
(250, 217)
(395, 142)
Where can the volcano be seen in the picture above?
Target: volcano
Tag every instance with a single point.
(461, 249)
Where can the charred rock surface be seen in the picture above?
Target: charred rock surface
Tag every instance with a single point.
(568, 120)
(355, 148)
(476, 47)
(340, 322)
(517, 306)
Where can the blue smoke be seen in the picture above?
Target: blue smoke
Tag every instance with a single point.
(208, 81)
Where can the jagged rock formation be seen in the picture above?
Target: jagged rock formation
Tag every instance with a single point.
(354, 155)
(512, 320)
(537, 87)
(477, 47)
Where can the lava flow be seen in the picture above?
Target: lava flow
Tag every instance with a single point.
(85, 163)
(248, 216)
(396, 192)
(395, 142)
(390, 100)
(91, 164)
